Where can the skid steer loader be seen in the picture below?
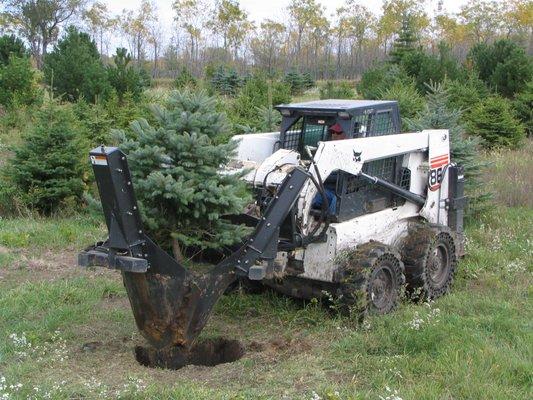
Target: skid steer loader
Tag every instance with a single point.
(353, 218)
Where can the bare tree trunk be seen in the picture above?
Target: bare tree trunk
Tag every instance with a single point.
(339, 46)
(176, 250)
(40, 60)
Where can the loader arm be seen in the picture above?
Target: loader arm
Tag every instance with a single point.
(170, 304)
(350, 155)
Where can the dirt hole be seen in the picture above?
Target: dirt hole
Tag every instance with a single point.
(208, 352)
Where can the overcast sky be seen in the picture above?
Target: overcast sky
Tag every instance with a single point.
(258, 10)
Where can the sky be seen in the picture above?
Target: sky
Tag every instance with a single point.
(259, 10)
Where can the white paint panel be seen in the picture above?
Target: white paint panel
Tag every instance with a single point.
(256, 147)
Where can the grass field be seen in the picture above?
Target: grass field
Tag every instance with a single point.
(69, 333)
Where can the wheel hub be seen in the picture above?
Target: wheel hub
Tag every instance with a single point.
(382, 288)
(439, 264)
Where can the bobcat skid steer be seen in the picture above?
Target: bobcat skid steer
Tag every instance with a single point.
(346, 206)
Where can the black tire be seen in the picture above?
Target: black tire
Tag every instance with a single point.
(372, 280)
(430, 259)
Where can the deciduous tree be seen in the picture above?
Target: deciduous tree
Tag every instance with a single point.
(38, 21)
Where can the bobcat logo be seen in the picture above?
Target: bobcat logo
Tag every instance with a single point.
(357, 156)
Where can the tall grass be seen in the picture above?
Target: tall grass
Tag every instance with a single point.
(509, 176)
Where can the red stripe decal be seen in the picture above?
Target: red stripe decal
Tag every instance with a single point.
(439, 164)
(445, 156)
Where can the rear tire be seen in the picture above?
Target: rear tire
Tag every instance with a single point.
(430, 259)
(372, 280)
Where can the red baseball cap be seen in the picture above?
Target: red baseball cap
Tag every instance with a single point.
(336, 128)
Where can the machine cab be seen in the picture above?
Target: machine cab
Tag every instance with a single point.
(306, 124)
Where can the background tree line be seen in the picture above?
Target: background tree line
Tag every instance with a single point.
(220, 32)
(59, 101)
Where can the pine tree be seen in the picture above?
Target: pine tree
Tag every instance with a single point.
(124, 78)
(406, 40)
(47, 167)
(74, 68)
(11, 46)
(175, 166)
(464, 149)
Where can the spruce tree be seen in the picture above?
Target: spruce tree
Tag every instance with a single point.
(494, 120)
(464, 148)
(308, 81)
(410, 101)
(226, 81)
(295, 80)
(18, 83)
(523, 105)
(185, 79)
(406, 40)
(176, 168)
(254, 99)
(337, 90)
(47, 167)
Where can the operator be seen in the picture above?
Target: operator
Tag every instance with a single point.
(335, 133)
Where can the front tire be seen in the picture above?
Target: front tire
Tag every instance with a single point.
(372, 280)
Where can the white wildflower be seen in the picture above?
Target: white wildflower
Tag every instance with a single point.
(315, 396)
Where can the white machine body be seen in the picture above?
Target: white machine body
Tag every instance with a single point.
(425, 154)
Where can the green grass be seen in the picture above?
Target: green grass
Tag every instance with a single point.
(475, 343)
(50, 233)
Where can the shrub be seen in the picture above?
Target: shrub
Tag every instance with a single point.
(464, 149)
(18, 83)
(523, 105)
(175, 167)
(185, 79)
(410, 101)
(74, 68)
(379, 78)
(503, 65)
(494, 120)
(123, 77)
(11, 46)
(47, 167)
(337, 90)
